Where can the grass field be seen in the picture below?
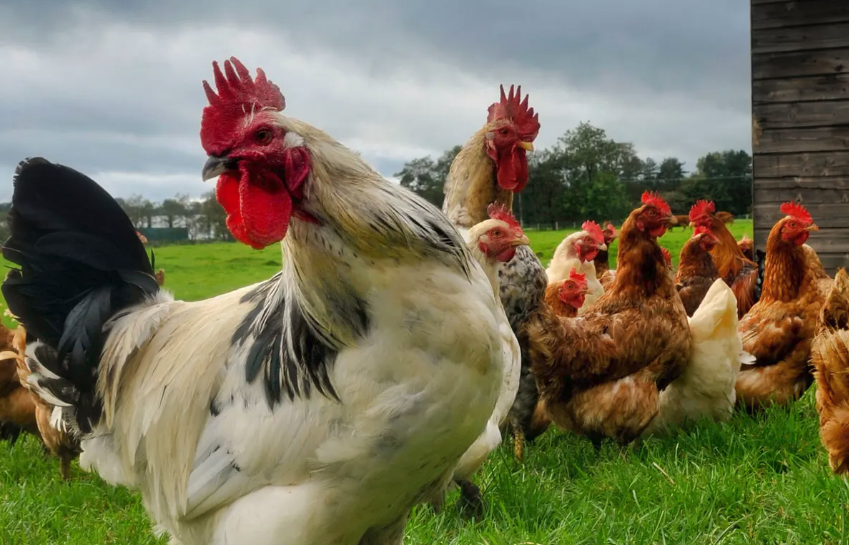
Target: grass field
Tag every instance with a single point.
(758, 479)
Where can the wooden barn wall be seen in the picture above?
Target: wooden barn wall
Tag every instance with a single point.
(800, 125)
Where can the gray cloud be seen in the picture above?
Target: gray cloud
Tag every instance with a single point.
(113, 88)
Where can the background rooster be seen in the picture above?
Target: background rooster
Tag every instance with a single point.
(779, 329)
(602, 260)
(318, 406)
(490, 168)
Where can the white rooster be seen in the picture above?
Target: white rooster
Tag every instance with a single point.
(317, 407)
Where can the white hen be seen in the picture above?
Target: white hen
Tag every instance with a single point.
(706, 387)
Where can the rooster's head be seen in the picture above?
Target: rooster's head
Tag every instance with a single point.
(701, 213)
(261, 166)
(510, 131)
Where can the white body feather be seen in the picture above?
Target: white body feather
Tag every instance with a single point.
(706, 387)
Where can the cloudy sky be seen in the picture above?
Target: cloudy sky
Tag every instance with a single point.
(113, 88)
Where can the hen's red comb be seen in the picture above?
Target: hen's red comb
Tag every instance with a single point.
(526, 121)
(609, 232)
(797, 211)
(701, 208)
(654, 199)
(498, 211)
(238, 95)
(701, 229)
(594, 230)
(666, 255)
(580, 278)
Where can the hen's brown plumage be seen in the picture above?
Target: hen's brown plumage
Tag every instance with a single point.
(779, 329)
(17, 405)
(830, 357)
(696, 271)
(740, 273)
(600, 375)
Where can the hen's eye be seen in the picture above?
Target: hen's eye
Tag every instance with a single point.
(505, 132)
(792, 224)
(263, 136)
(496, 234)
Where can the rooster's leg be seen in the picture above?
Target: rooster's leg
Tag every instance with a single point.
(65, 467)
(519, 444)
(470, 496)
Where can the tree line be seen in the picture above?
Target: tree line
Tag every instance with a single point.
(204, 218)
(586, 174)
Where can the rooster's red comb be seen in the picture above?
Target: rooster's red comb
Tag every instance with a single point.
(701, 208)
(526, 121)
(238, 95)
(498, 211)
(609, 232)
(654, 199)
(575, 276)
(797, 211)
(594, 230)
(666, 256)
(701, 229)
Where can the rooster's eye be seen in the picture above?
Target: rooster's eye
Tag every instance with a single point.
(505, 132)
(263, 136)
(792, 225)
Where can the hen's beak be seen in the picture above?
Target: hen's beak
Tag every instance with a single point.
(216, 166)
(527, 146)
(602, 247)
(672, 220)
(812, 227)
(521, 241)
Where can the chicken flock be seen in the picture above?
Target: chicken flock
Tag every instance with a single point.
(322, 405)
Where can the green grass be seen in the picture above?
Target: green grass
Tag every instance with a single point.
(761, 479)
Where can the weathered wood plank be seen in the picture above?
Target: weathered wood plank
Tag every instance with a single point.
(824, 241)
(794, 13)
(833, 163)
(779, 40)
(803, 140)
(831, 262)
(826, 216)
(804, 195)
(821, 182)
(797, 115)
(800, 63)
(831, 87)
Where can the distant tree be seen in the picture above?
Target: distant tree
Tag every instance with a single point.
(670, 173)
(426, 178)
(214, 217)
(172, 209)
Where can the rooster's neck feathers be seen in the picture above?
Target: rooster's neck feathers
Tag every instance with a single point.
(471, 185)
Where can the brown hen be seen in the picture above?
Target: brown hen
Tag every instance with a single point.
(600, 375)
(696, 270)
(830, 357)
(779, 329)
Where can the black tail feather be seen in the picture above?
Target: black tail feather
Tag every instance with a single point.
(80, 262)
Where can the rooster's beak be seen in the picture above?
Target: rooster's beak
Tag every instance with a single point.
(216, 166)
(813, 227)
(521, 241)
(527, 146)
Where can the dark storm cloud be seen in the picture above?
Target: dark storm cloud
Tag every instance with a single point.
(113, 87)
